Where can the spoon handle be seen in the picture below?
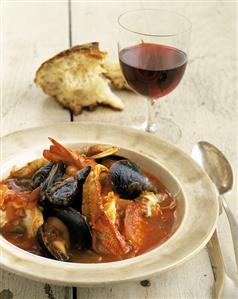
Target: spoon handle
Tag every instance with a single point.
(233, 227)
(215, 255)
(224, 287)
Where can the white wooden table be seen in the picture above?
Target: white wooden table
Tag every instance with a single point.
(203, 107)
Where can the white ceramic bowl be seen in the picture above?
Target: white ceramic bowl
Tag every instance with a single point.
(196, 199)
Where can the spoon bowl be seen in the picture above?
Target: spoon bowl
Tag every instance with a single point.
(215, 164)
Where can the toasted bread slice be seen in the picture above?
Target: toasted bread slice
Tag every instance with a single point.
(74, 77)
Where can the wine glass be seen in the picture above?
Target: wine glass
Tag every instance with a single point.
(153, 53)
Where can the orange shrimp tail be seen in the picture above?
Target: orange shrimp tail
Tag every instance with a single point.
(58, 152)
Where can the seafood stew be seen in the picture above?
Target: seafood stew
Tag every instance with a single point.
(86, 206)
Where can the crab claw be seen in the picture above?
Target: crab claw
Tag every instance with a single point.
(92, 204)
(58, 152)
(108, 239)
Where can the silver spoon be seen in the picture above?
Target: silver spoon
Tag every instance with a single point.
(219, 170)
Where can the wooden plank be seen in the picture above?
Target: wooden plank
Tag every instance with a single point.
(177, 283)
(98, 22)
(30, 36)
(13, 286)
(204, 107)
(211, 97)
(200, 113)
(195, 111)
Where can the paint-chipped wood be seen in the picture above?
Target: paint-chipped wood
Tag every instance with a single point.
(22, 288)
(203, 107)
(145, 283)
(6, 294)
(48, 291)
(29, 37)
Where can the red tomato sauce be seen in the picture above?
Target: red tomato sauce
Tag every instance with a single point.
(156, 230)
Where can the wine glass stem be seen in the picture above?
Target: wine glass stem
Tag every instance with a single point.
(151, 126)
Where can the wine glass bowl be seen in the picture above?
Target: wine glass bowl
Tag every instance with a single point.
(153, 52)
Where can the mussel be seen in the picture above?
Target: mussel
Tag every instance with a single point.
(55, 174)
(41, 174)
(108, 161)
(99, 151)
(19, 184)
(79, 229)
(128, 180)
(54, 238)
(65, 193)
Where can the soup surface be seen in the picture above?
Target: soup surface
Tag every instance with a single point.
(86, 206)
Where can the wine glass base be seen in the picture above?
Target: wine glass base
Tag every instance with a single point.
(150, 128)
(146, 127)
(168, 130)
(164, 128)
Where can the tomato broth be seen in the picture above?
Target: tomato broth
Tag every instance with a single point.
(136, 229)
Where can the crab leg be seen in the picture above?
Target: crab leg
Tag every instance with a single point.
(108, 239)
(92, 205)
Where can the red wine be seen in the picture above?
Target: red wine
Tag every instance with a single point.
(153, 70)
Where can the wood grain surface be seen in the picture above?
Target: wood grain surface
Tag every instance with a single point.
(203, 107)
(29, 37)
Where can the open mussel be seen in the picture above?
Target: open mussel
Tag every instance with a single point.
(128, 180)
(54, 238)
(55, 174)
(99, 151)
(79, 229)
(41, 174)
(64, 193)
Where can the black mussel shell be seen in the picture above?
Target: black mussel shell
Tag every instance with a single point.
(64, 193)
(55, 174)
(81, 178)
(82, 174)
(128, 180)
(54, 240)
(19, 184)
(109, 160)
(41, 174)
(79, 229)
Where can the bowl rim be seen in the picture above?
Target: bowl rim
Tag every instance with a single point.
(141, 264)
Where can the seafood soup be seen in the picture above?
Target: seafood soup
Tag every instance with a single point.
(85, 206)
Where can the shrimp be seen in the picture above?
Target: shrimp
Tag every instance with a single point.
(58, 152)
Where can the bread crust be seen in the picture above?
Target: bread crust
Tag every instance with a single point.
(114, 74)
(74, 77)
(90, 50)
